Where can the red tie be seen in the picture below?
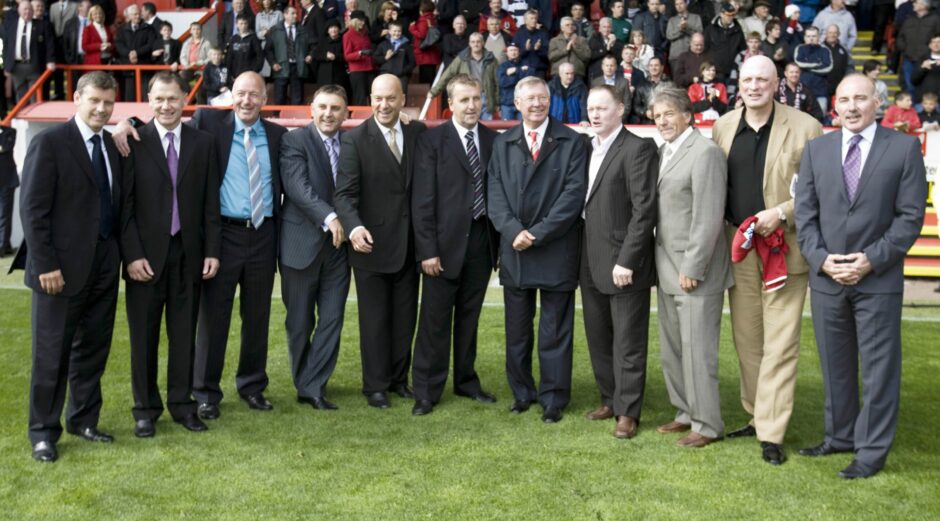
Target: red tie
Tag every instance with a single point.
(535, 145)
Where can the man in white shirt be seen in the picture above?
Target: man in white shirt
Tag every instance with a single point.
(27, 48)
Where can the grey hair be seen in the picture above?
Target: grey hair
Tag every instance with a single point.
(564, 18)
(670, 95)
(527, 81)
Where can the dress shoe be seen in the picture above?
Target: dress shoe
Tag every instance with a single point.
(191, 422)
(208, 411)
(551, 415)
(772, 453)
(480, 396)
(45, 452)
(673, 427)
(403, 390)
(855, 470)
(144, 429)
(93, 434)
(422, 407)
(603, 412)
(626, 428)
(823, 449)
(520, 406)
(695, 440)
(318, 402)
(378, 400)
(257, 402)
(743, 432)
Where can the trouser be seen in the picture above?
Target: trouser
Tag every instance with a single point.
(23, 76)
(882, 15)
(296, 85)
(359, 81)
(6, 215)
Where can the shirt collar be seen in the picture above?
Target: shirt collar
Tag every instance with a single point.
(462, 130)
(163, 131)
(325, 138)
(603, 145)
(541, 129)
(86, 131)
(676, 143)
(385, 129)
(868, 134)
(743, 123)
(240, 125)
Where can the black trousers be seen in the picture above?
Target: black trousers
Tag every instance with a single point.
(556, 343)
(426, 73)
(173, 291)
(296, 85)
(388, 309)
(248, 260)
(452, 307)
(6, 215)
(361, 84)
(71, 342)
(882, 15)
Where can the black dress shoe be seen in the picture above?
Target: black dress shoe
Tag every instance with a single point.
(318, 402)
(857, 470)
(144, 429)
(404, 391)
(520, 406)
(208, 411)
(93, 434)
(772, 453)
(191, 422)
(823, 449)
(743, 432)
(480, 396)
(257, 402)
(378, 400)
(45, 452)
(551, 415)
(422, 407)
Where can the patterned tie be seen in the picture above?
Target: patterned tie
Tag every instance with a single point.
(474, 157)
(852, 167)
(254, 181)
(332, 148)
(172, 163)
(534, 147)
(104, 187)
(393, 144)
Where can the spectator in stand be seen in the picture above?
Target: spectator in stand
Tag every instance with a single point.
(644, 91)
(602, 43)
(229, 26)
(705, 9)
(872, 69)
(808, 9)
(690, 62)
(752, 49)
(757, 22)
(378, 31)
(289, 52)
(97, 39)
(582, 26)
(774, 47)
(816, 62)
(635, 77)
(328, 58)
(533, 40)
(644, 51)
(454, 43)
(652, 23)
(244, 52)
(148, 13)
(610, 75)
(478, 63)
(545, 10)
(506, 21)
(357, 50)
(267, 18)
(724, 39)
(497, 39)
(797, 94)
(214, 77)
(427, 58)
(836, 14)
(883, 11)
(568, 47)
(622, 26)
(840, 60)
(167, 49)
(394, 55)
(901, 116)
(72, 36)
(509, 73)
(709, 97)
(134, 42)
(793, 29)
(195, 53)
(679, 32)
(914, 38)
(929, 118)
(568, 96)
(926, 77)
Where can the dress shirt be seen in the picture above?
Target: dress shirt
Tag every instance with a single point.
(540, 130)
(235, 196)
(864, 145)
(746, 161)
(102, 33)
(21, 27)
(399, 137)
(86, 133)
(82, 23)
(599, 149)
(462, 132)
(669, 149)
(325, 138)
(162, 132)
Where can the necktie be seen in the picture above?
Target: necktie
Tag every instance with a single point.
(534, 147)
(24, 44)
(393, 145)
(474, 157)
(332, 148)
(667, 153)
(254, 181)
(852, 167)
(172, 163)
(100, 167)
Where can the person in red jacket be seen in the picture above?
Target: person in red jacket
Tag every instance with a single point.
(97, 38)
(427, 59)
(357, 49)
(709, 97)
(507, 23)
(901, 116)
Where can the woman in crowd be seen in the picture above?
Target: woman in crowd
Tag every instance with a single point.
(266, 18)
(357, 50)
(427, 58)
(97, 39)
(644, 52)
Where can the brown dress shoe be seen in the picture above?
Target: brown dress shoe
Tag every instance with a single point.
(626, 428)
(601, 413)
(672, 427)
(695, 440)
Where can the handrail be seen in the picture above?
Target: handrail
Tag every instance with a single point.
(35, 89)
(192, 91)
(201, 21)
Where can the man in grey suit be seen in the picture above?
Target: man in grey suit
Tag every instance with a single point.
(859, 207)
(314, 271)
(617, 268)
(692, 262)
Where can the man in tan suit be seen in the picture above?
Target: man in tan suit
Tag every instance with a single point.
(764, 142)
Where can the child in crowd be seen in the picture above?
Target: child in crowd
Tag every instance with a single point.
(901, 116)
(709, 97)
(244, 51)
(215, 76)
(929, 119)
(394, 55)
(872, 69)
(167, 49)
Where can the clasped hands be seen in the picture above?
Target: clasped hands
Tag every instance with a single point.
(848, 269)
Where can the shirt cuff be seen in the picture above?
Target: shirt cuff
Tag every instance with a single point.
(328, 220)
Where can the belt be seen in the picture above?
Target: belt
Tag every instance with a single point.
(242, 223)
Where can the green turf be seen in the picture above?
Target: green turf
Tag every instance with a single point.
(464, 461)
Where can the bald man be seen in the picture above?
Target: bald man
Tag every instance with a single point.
(764, 141)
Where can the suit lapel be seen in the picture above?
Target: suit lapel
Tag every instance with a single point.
(879, 146)
(185, 152)
(150, 139)
(779, 131)
(612, 152)
(548, 143)
(457, 148)
(486, 145)
(317, 150)
(115, 160)
(227, 133)
(80, 151)
(378, 140)
(678, 156)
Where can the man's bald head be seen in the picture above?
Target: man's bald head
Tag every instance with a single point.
(387, 99)
(758, 82)
(248, 96)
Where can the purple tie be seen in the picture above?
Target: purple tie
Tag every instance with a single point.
(172, 162)
(852, 167)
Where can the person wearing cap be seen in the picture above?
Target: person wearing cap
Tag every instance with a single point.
(757, 22)
(793, 29)
(328, 58)
(724, 39)
(836, 14)
(357, 51)
(763, 141)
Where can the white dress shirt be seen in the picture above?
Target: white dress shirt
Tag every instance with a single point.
(462, 132)
(162, 131)
(21, 27)
(399, 138)
(540, 130)
(669, 149)
(864, 146)
(598, 153)
(86, 133)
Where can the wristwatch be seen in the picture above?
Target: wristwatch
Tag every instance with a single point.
(783, 216)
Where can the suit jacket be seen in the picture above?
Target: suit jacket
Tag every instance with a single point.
(8, 175)
(308, 196)
(148, 200)
(91, 43)
(60, 13)
(70, 43)
(690, 236)
(442, 197)
(789, 133)
(374, 191)
(619, 215)
(41, 43)
(59, 206)
(545, 197)
(141, 40)
(883, 221)
(275, 50)
(622, 87)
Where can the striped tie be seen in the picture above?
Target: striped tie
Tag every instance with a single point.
(254, 182)
(474, 157)
(332, 148)
(534, 147)
(852, 167)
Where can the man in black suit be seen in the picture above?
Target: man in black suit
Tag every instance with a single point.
(456, 246)
(170, 242)
(373, 200)
(617, 265)
(134, 42)
(72, 36)
(9, 181)
(229, 26)
(314, 269)
(27, 48)
(148, 14)
(69, 204)
(536, 193)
